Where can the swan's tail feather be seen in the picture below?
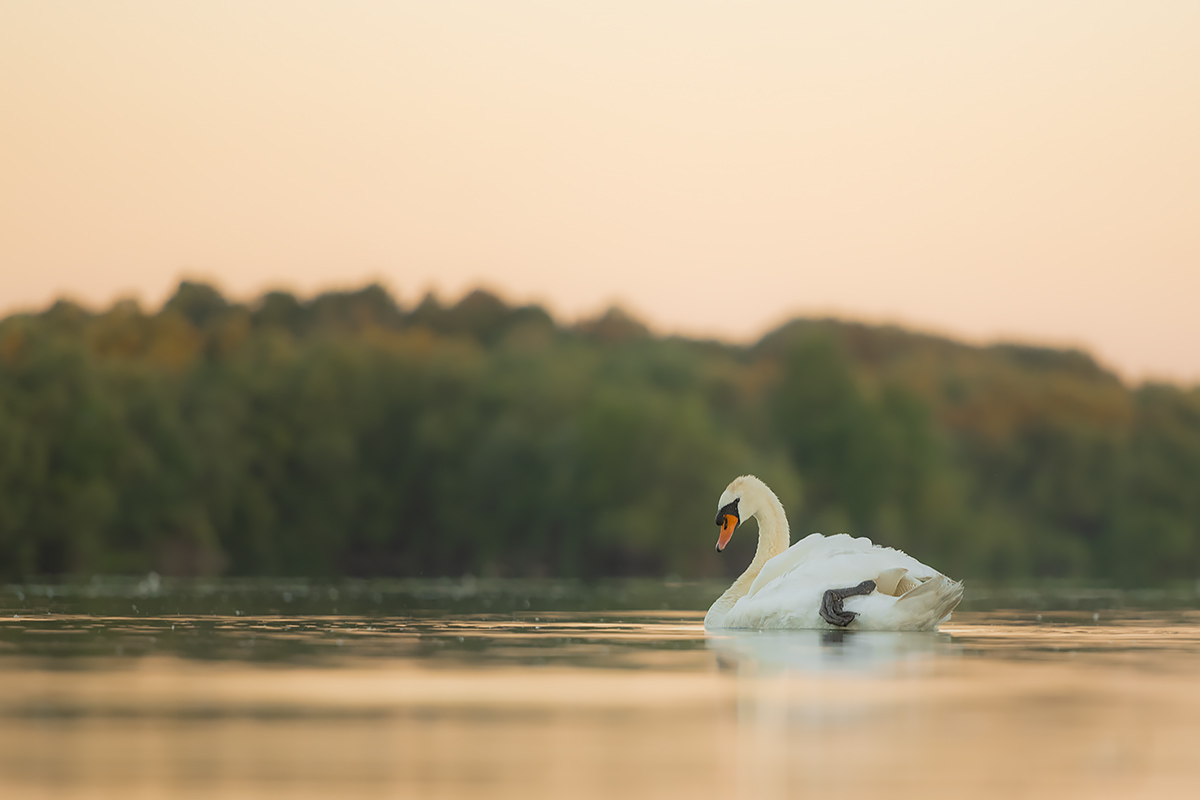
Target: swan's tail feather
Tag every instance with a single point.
(929, 604)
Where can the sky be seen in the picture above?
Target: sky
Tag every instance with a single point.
(1023, 171)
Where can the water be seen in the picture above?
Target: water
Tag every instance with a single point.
(449, 689)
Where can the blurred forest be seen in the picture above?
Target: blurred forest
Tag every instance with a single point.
(346, 435)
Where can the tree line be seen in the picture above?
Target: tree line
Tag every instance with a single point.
(347, 435)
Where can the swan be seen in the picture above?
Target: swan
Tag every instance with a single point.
(823, 582)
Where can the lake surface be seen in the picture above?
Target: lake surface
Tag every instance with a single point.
(504, 690)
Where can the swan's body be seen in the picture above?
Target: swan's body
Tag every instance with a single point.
(784, 586)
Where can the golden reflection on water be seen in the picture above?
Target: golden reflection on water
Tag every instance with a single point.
(997, 705)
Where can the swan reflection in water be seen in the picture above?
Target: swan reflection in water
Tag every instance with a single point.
(810, 703)
(866, 653)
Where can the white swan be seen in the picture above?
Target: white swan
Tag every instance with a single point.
(822, 581)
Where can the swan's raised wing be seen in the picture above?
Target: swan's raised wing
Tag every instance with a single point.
(841, 553)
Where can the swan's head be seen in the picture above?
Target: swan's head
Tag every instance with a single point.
(739, 501)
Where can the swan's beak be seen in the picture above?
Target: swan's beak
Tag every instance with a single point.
(727, 522)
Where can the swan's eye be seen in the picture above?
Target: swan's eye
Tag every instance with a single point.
(727, 518)
(729, 509)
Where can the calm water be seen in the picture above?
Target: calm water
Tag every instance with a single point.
(448, 690)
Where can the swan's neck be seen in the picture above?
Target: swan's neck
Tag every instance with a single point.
(773, 539)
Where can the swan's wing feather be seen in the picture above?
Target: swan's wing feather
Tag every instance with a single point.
(794, 600)
(892, 579)
(815, 550)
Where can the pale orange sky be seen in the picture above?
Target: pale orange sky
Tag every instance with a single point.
(1025, 170)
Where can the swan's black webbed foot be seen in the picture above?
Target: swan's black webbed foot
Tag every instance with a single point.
(831, 603)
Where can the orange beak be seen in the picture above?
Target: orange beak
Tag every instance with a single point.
(728, 523)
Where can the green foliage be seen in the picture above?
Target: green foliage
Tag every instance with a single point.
(348, 435)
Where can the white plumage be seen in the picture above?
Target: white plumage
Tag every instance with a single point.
(784, 586)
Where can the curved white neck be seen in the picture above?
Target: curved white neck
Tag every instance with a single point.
(773, 538)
